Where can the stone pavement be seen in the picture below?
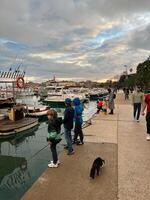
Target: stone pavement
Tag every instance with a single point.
(126, 176)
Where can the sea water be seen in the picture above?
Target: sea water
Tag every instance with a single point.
(24, 157)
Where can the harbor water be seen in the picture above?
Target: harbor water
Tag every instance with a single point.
(24, 157)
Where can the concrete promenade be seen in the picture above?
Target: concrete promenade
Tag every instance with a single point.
(126, 176)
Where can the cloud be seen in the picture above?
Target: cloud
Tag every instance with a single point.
(140, 39)
(89, 39)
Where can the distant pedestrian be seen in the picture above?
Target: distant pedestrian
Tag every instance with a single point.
(126, 92)
(68, 124)
(78, 120)
(147, 104)
(53, 138)
(99, 105)
(137, 101)
(111, 104)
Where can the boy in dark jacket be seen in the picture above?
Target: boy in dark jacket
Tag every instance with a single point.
(68, 124)
(78, 120)
(54, 128)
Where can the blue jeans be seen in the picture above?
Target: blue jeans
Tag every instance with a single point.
(68, 138)
(137, 110)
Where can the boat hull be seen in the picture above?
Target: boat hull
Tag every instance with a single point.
(9, 129)
(54, 104)
(59, 104)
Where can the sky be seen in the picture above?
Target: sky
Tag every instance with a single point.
(74, 39)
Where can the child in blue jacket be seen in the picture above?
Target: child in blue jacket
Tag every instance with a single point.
(78, 120)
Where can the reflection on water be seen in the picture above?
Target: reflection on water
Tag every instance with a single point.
(13, 172)
(25, 157)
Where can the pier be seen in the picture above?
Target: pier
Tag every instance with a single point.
(126, 175)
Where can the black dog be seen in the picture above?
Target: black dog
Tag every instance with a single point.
(97, 164)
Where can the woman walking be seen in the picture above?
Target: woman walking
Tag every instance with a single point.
(147, 104)
(137, 101)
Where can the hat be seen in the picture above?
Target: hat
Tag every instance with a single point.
(68, 101)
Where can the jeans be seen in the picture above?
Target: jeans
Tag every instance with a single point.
(137, 110)
(78, 131)
(54, 152)
(68, 138)
(148, 122)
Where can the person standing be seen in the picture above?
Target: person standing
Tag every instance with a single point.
(78, 120)
(137, 101)
(111, 104)
(53, 138)
(68, 125)
(147, 104)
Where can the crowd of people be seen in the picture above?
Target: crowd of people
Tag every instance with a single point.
(71, 115)
(140, 102)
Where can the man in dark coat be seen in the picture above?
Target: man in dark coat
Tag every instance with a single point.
(68, 124)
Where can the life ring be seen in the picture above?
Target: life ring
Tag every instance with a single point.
(20, 82)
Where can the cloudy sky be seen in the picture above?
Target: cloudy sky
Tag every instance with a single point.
(74, 39)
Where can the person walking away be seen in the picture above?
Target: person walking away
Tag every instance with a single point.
(126, 93)
(99, 105)
(111, 105)
(137, 101)
(147, 104)
(78, 120)
(53, 138)
(68, 125)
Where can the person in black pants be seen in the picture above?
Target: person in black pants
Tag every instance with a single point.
(147, 104)
(68, 125)
(54, 127)
(78, 121)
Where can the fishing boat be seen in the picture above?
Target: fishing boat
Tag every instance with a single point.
(16, 122)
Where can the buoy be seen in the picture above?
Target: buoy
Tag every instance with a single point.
(20, 82)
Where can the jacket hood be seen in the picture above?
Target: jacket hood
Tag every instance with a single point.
(76, 101)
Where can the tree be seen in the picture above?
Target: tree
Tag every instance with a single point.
(143, 74)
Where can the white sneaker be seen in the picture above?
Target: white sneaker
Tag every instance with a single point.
(52, 165)
(148, 137)
(58, 162)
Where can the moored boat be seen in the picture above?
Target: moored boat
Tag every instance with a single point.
(37, 111)
(57, 96)
(16, 122)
